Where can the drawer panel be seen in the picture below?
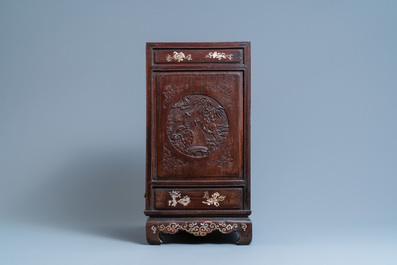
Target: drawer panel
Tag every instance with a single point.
(198, 56)
(191, 199)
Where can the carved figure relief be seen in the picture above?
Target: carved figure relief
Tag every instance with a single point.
(178, 56)
(177, 194)
(214, 199)
(197, 125)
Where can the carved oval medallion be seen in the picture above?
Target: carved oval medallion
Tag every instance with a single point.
(197, 125)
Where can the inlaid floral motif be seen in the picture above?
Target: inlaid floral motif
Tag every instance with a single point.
(214, 199)
(179, 57)
(219, 55)
(185, 200)
(198, 229)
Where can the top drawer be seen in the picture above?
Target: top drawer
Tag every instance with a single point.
(198, 56)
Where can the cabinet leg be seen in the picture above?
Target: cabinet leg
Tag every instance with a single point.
(245, 233)
(152, 234)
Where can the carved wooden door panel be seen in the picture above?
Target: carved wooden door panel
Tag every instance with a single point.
(200, 124)
(198, 139)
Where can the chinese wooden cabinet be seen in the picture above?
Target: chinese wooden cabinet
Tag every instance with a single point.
(198, 139)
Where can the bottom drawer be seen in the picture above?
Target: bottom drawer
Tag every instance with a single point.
(190, 198)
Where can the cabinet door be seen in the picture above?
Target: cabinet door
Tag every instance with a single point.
(198, 120)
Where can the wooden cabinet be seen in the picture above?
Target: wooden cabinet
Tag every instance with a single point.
(198, 139)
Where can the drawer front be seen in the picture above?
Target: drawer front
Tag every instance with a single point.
(191, 199)
(198, 56)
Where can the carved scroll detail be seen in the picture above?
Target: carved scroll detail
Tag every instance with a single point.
(199, 229)
(219, 55)
(197, 125)
(179, 57)
(222, 160)
(170, 161)
(214, 199)
(171, 91)
(225, 89)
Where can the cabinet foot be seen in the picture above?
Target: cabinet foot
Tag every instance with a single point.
(245, 233)
(152, 234)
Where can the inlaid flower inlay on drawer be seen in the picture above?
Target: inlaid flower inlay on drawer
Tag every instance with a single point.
(219, 55)
(179, 57)
(185, 200)
(214, 199)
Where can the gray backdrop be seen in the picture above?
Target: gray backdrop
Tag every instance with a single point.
(72, 125)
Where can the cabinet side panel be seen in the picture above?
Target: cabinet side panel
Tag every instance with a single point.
(247, 125)
(149, 52)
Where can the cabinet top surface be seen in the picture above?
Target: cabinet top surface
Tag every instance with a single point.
(197, 44)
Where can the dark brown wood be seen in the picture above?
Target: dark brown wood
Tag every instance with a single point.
(155, 227)
(198, 199)
(199, 56)
(209, 212)
(198, 135)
